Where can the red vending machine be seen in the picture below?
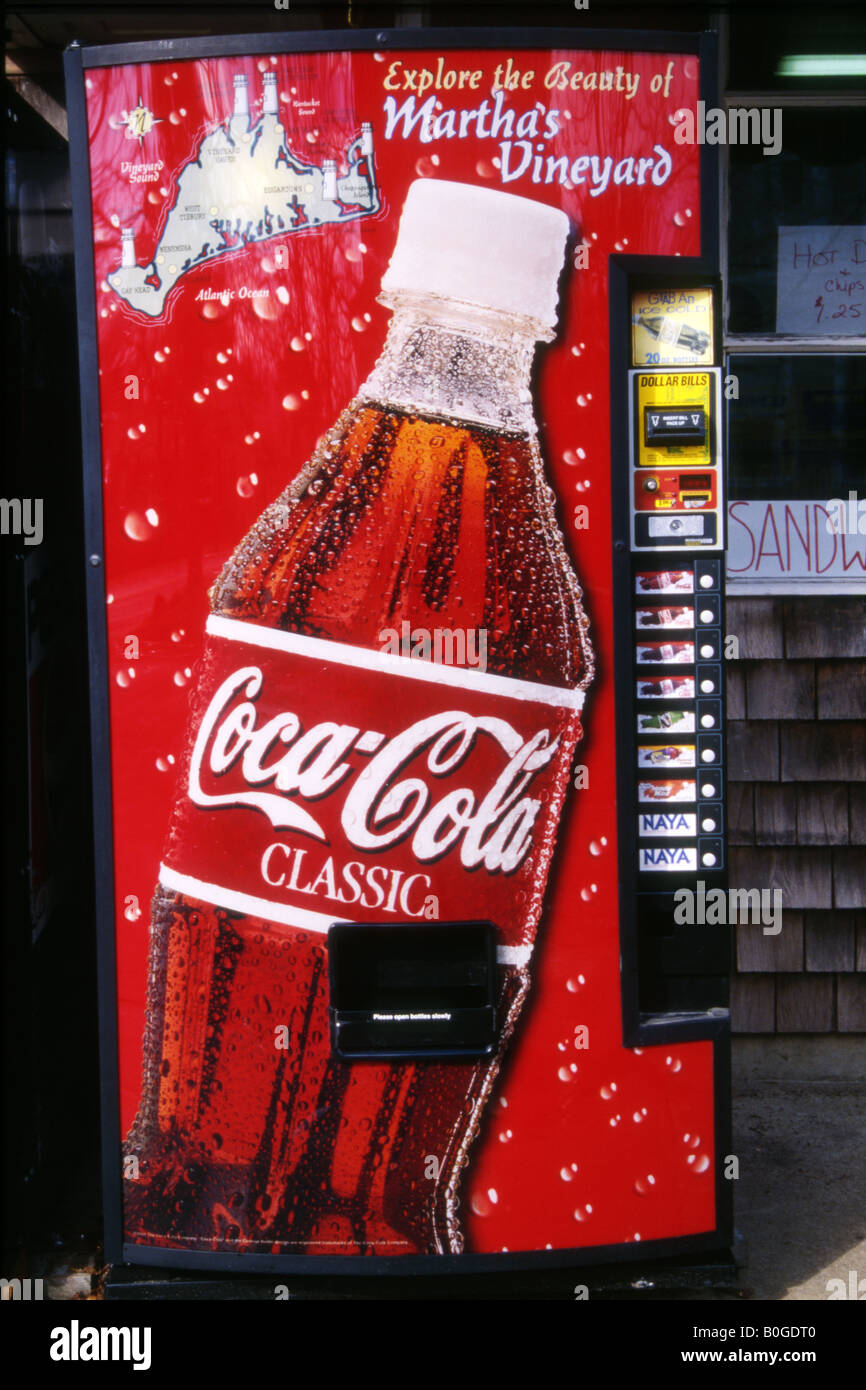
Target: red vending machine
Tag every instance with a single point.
(403, 458)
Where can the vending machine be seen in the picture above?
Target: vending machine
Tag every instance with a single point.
(403, 437)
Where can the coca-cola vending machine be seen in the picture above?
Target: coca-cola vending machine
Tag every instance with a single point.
(403, 463)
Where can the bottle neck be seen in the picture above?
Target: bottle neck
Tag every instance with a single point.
(456, 362)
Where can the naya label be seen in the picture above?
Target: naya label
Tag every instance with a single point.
(328, 783)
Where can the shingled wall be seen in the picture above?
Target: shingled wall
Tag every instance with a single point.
(797, 810)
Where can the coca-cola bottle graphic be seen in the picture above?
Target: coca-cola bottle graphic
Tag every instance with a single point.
(328, 779)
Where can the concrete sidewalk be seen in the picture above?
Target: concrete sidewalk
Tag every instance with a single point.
(799, 1111)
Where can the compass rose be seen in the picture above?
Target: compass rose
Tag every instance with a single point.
(139, 121)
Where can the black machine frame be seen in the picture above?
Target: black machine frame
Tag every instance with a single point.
(649, 1030)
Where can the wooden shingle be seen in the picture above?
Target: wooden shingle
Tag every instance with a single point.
(849, 877)
(804, 1003)
(802, 875)
(753, 752)
(822, 813)
(758, 625)
(830, 941)
(775, 814)
(741, 813)
(780, 690)
(841, 689)
(831, 752)
(753, 1003)
(826, 627)
(851, 990)
(762, 954)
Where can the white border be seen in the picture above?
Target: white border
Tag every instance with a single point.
(301, 918)
(413, 668)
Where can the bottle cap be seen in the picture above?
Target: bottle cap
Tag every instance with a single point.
(479, 246)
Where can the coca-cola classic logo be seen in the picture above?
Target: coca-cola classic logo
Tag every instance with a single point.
(378, 810)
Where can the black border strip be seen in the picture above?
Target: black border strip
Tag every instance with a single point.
(680, 1028)
(97, 642)
(398, 40)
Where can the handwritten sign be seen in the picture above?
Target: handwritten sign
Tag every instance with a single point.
(821, 280)
(776, 545)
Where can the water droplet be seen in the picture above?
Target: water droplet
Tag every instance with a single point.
(701, 1163)
(358, 324)
(180, 678)
(505, 1135)
(246, 486)
(674, 1063)
(567, 1172)
(297, 344)
(198, 397)
(123, 680)
(565, 1074)
(139, 526)
(264, 308)
(282, 294)
(595, 846)
(679, 219)
(582, 400)
(426, 166)
(481, 1204)
(485, 169)
(583, 1213)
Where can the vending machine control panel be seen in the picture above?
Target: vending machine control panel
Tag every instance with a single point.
(674, 467)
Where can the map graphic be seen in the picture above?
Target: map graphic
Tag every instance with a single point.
(245, 185)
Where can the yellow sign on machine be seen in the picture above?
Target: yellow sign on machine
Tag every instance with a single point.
(675, 424)
(672, 328)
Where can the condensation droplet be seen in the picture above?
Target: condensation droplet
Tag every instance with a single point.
(246, 486)
(297, 344)
(291, 401)
(583, 1213)
(426, 166)
(139, 525)
(178, 634)
(582, 399)
(282, 294)
(701, 1163)
(358, 324)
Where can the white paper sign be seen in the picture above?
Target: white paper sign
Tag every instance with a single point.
(821, 280)
(780, 543)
